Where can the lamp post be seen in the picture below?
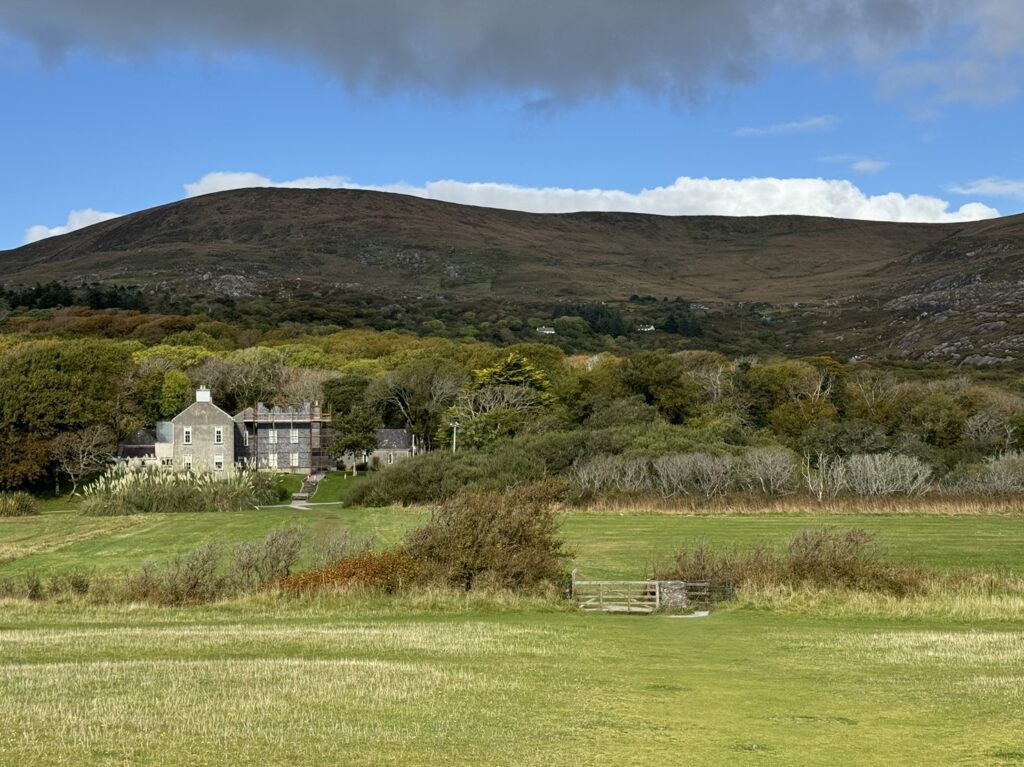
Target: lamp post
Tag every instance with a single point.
(455, 434)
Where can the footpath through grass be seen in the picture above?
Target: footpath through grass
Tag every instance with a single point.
(609, 545)
(401, 683)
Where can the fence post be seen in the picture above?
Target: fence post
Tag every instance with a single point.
(657, 595)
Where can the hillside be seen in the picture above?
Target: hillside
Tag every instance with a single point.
(252, 241)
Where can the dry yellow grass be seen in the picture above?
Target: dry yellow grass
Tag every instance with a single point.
(981, 598)
(803, 505)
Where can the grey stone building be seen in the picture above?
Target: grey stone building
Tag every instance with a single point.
(393, 445)
(291, 439)
(204, 438)
(201, 437)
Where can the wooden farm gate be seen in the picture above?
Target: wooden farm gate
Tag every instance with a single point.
(640, 596)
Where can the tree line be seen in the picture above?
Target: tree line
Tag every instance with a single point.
(65, 400)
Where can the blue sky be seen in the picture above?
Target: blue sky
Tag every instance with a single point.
(117, 121)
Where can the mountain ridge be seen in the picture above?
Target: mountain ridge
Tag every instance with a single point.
(928, 291)
(346, 236)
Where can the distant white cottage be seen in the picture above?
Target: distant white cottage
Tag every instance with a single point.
(645, 328)
(546, 330)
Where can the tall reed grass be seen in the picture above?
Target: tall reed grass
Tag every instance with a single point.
(122, 491)
(17, 505)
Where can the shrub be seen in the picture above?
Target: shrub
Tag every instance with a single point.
(887, 474)
(770, 470)
(387, 571)
(825, 476)
(1001, 475)
(330, 547)
(508, 540)
(18, 505)
(187, 578)
(612, 472)
(695, 473)
(427, 478)
(827, 558)
(124, 491)
(206, 574)
(257, 563)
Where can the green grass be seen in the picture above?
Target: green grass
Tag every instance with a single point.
(606, 545)
(335, 487)
(401, 684)
(290, 482)
(431, 679)
(623, 545)
(62, 542)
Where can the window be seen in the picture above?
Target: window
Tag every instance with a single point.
(218, 463)
(187, 436)
(295, 459)
(391, 457)
(294, 437)
(272, 437)
(245, 437)
(218, 436)
(186, 462)
(272, 461)
(166, 462)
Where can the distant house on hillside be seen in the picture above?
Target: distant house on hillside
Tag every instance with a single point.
(393, 445)
(204, 438)
(645, 328)
(546, 330)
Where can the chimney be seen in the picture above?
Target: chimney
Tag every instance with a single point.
(203, 394)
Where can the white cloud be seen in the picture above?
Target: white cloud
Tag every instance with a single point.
(806, 125)
(222, 181)
(992, 187)
(835, 198)
(870, 166)
(77, 219)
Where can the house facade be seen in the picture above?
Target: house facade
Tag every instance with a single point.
(289, 439)
(202, 437)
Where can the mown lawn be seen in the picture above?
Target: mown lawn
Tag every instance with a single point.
(606, 545)
(413, 684)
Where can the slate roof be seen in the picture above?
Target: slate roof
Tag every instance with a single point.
(394, 439)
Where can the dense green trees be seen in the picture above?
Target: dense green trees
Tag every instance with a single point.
(50, 387)
(528, 404)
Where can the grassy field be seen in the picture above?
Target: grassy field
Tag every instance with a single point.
(606, 545)
(430, 678)
(426, 684)
(335, 487)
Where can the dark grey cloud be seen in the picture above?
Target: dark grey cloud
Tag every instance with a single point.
(550, 50)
